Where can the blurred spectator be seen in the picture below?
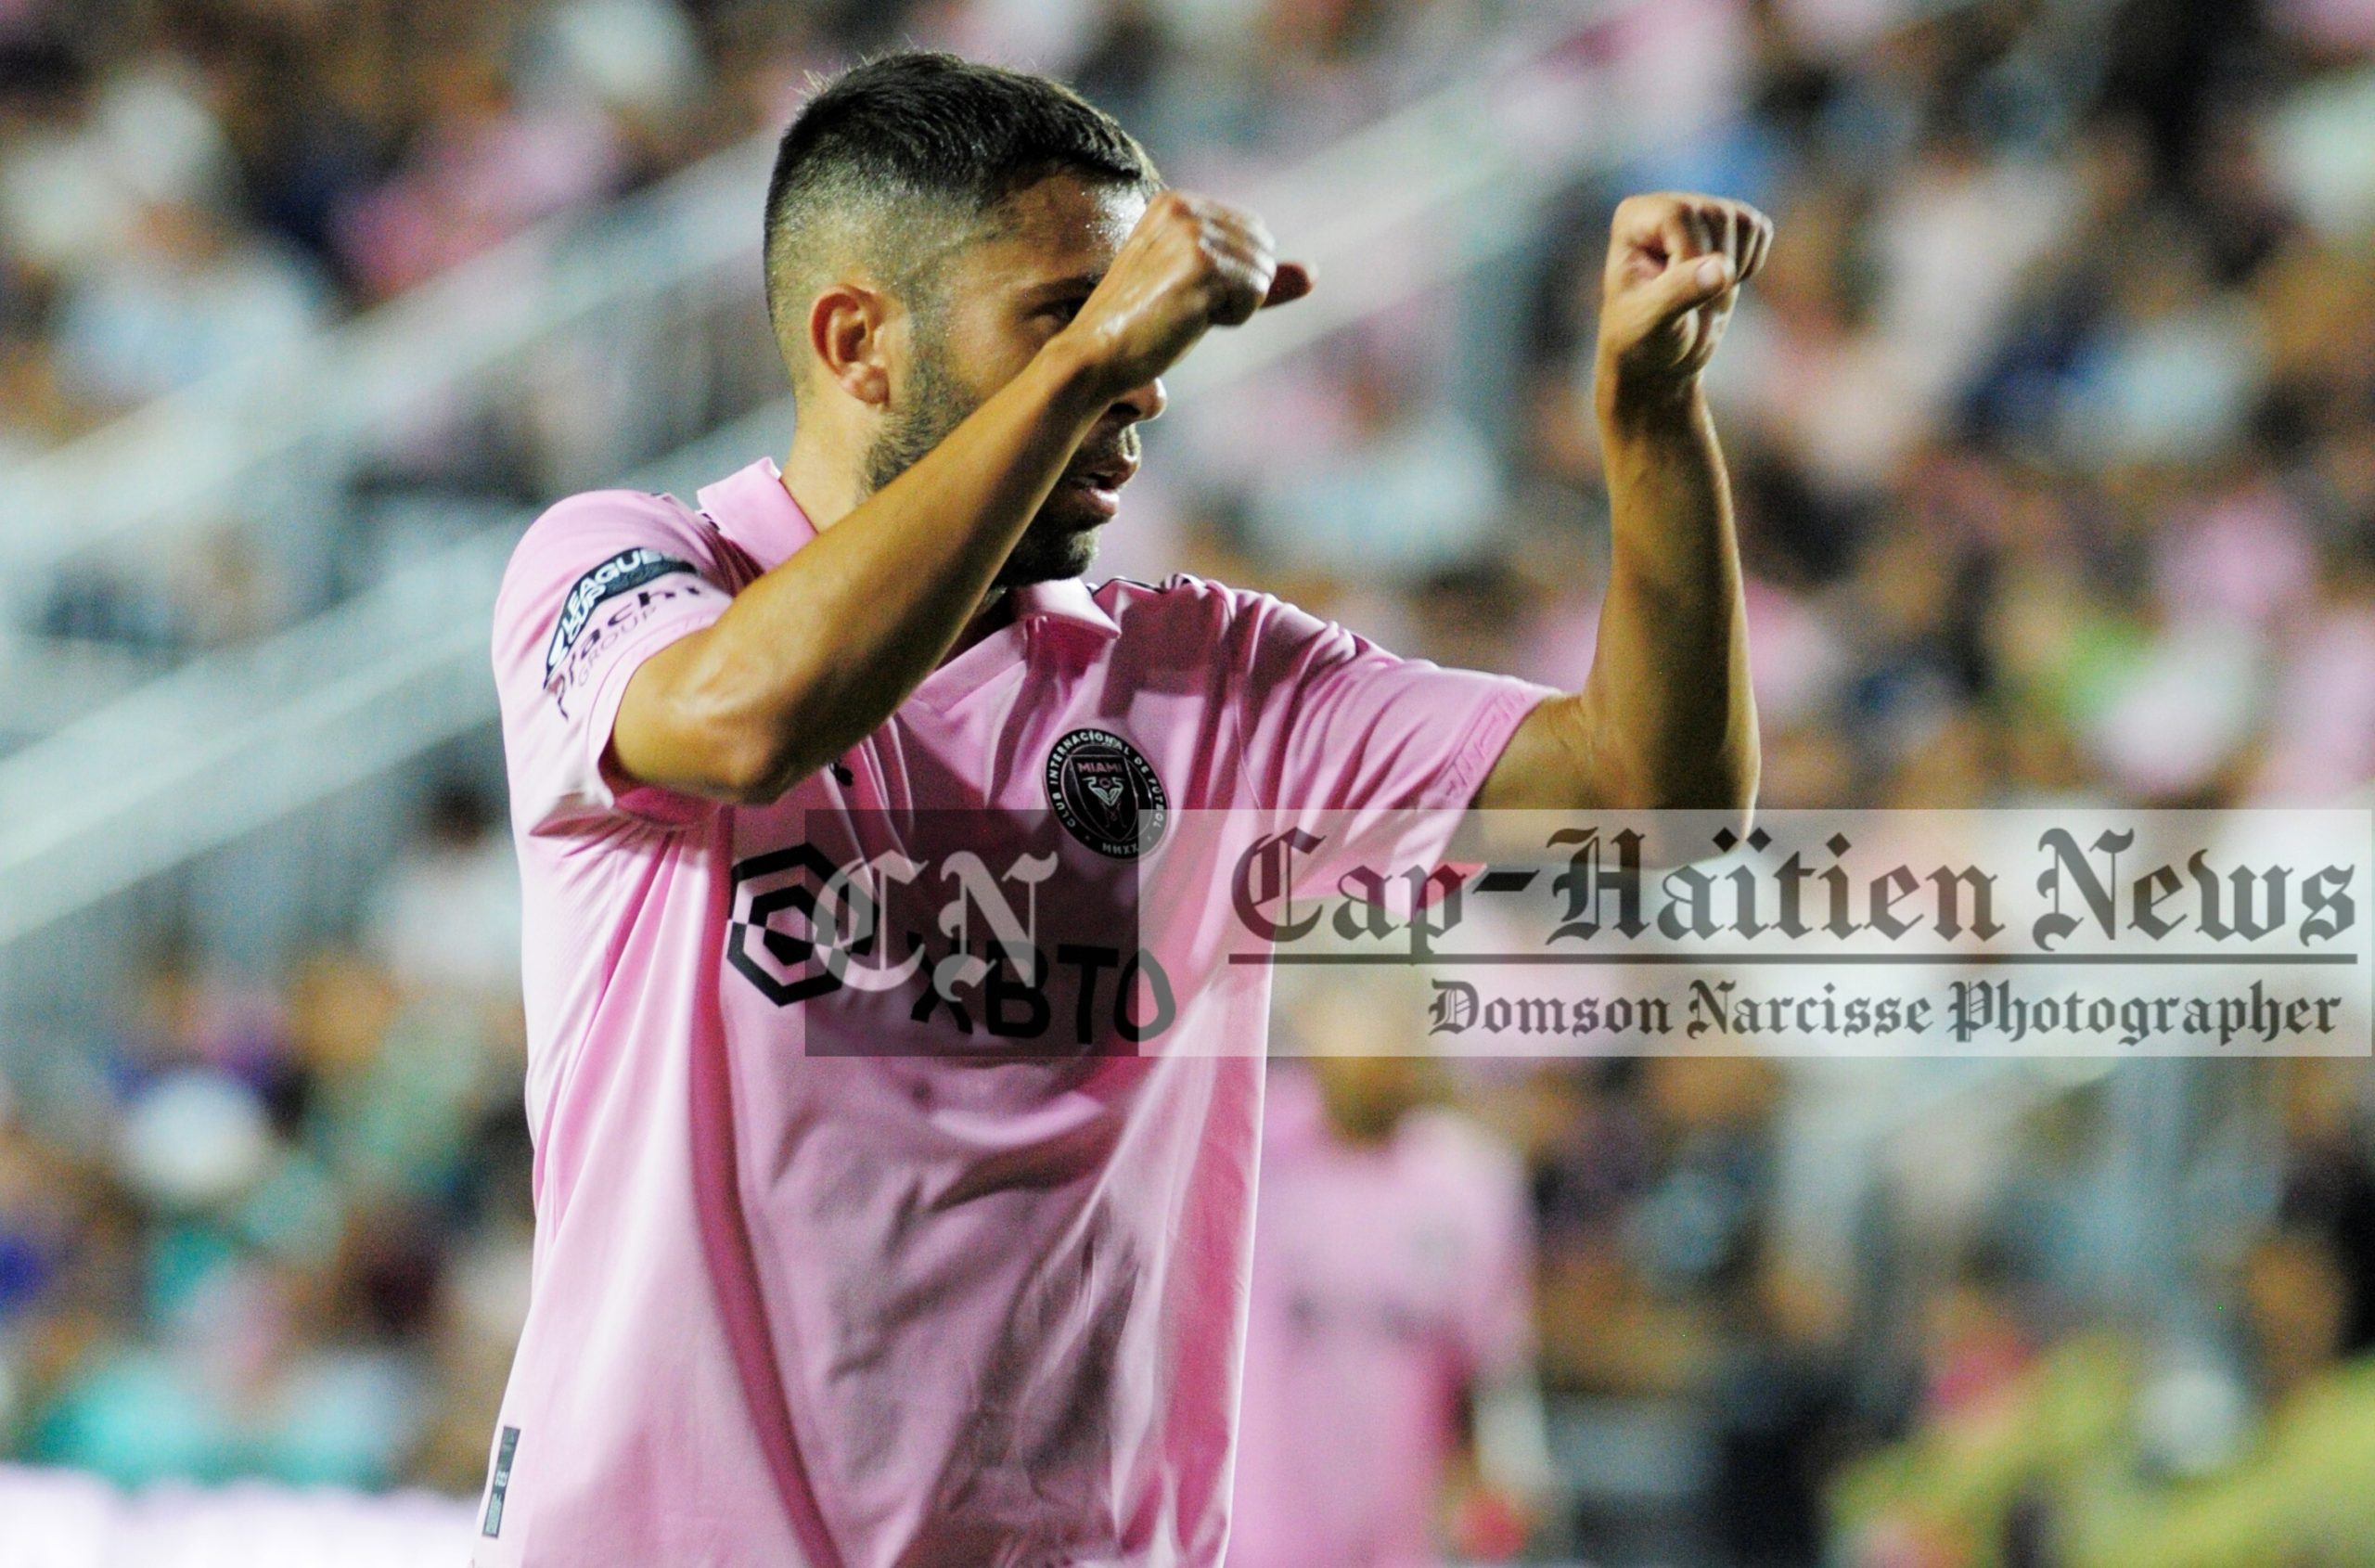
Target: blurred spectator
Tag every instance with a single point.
(187, 296)
(1780, 1400)
(487, 168)
(1412, 490)
(447, 918)
(2330, 1181)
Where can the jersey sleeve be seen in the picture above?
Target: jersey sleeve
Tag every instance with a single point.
(599, 584)
(1389, 750)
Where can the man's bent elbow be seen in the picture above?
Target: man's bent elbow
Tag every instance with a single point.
(757, 761)
(751, 772)
(728, 731)
(692, 747)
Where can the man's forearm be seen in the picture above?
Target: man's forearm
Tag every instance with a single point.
(1664, 719)
(815, 654)
(1667, 704)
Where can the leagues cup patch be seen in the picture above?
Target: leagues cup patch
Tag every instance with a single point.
(626, 571)
(1106, 794)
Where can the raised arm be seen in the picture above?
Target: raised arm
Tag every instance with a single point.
(1664, 719)
(817, 653)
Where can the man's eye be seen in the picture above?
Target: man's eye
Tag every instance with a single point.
(1062, 310)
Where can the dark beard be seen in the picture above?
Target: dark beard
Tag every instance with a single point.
(1047, 552)
(1050, 548)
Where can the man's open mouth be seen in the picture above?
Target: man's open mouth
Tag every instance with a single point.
(1100, 485)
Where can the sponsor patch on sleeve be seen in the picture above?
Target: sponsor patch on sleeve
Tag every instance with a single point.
(622, 573)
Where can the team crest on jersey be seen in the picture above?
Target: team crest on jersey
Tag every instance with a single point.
(625, 570)
(1106, 794)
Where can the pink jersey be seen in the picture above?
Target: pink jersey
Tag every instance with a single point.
(1386, 1281)
(812, 1285)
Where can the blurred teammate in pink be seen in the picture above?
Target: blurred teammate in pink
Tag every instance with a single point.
(1388, 1348)
(952, 1269)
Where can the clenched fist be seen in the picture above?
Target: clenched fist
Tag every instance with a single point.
(1189, 264)
(1675, 263)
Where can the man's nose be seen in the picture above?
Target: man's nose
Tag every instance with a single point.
(1145, 403)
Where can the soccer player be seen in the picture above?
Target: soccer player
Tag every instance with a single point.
(809, 1290)
(1388, 1353)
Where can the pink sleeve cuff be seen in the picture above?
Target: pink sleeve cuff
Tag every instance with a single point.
(1488, 734)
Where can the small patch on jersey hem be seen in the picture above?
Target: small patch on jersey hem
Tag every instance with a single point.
(502, 1482)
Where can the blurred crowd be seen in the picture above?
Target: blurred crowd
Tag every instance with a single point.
(185, 184)
(192, 188)
(2052, 425)
(283, 1230)
(2052, 420)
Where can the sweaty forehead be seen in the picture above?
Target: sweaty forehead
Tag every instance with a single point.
(1059, 228)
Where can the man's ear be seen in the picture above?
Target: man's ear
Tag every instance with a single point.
(848, 327)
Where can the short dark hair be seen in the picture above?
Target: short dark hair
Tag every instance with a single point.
(899, 155)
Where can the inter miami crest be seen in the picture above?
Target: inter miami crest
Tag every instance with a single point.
(1106, 794)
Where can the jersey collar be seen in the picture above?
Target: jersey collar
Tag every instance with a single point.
(752, 507)
(1066, 601)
